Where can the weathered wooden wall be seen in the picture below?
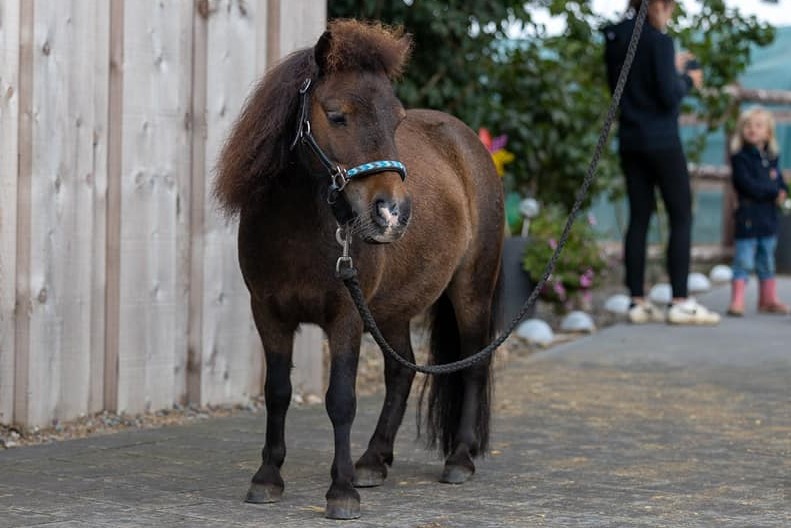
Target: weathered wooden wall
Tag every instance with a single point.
(119, 284)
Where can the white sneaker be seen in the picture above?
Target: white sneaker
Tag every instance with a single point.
(646, 312)
(690, 312)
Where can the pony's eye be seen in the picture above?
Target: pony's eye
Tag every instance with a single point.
(336, 118)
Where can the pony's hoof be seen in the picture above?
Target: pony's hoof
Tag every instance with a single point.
(343, 509)
(455, 474)
(365, 477)
(263, 493)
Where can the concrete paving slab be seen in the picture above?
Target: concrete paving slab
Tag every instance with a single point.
(649, 426)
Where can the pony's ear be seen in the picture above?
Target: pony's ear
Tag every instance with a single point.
(322, 50)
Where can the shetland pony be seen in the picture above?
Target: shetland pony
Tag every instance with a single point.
(323, 142)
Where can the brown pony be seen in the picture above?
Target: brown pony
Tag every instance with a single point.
(316, 147)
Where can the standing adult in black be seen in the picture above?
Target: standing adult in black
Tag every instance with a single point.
(652, 156)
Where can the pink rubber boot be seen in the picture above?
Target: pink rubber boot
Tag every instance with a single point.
(768, 301)
(736, 308)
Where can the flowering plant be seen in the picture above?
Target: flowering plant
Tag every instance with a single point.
(496, 147)
(580, 266)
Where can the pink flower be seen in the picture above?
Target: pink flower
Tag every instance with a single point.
(552, 243)
(586, 279)
(559, 290)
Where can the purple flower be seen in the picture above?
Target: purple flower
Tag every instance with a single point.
(552, 243)
(498, 142)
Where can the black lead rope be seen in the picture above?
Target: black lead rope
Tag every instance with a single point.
(349, 274)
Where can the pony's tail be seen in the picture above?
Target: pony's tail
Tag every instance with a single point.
(446, 391)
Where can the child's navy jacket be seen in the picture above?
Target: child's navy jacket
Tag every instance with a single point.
(756, 215)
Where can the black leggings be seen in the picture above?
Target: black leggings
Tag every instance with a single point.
(645, 170)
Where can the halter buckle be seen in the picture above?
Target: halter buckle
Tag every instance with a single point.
(339, 179)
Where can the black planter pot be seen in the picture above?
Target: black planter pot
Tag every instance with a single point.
(783, 253)
(517, 283)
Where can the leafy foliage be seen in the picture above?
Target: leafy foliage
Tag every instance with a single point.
(454, 48)
(551, 99)
(581, 265)
(547, 93)
(721, 39)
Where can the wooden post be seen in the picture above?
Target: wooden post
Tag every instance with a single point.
(728, 206)
(23, 219)
(9, 172)
(113, 237)
(197, 197)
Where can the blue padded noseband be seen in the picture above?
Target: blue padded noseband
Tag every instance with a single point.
(366, 169)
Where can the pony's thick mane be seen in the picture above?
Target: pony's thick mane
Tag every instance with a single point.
(257, 150)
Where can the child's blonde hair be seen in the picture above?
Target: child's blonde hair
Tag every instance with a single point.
(737, 141)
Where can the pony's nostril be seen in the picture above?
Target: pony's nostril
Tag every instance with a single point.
(386, 213)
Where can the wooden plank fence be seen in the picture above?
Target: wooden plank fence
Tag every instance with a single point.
(119, 282)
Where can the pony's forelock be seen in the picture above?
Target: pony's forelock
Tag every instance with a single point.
(367, 46)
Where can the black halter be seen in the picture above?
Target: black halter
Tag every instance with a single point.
(339, 176)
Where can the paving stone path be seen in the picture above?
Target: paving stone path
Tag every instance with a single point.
(650, 426)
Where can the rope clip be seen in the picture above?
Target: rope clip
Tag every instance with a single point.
(344, 239)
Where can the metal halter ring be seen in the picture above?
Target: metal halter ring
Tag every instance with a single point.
(339, 178)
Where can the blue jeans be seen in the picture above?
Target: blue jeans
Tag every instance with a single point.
(754, 254)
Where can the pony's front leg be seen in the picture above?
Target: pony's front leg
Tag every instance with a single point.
(343, 501)
(371, 468)
(267, 484)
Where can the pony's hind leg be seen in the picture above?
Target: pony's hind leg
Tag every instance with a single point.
(343, 501)
(459, 403)
(371, 468)
(471, 435)
(267, 484)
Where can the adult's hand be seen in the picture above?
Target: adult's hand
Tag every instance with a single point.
(697, 78)
(681, 60)
(781, 197)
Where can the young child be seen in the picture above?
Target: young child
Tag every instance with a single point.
(760, 189)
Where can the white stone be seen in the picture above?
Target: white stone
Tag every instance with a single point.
(578, 321)
(661, 293)
(698, 283)
(618, 304)
(721, 274)
(536, 331)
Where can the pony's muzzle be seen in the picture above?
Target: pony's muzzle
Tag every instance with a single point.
(389, 213)
(391, 216)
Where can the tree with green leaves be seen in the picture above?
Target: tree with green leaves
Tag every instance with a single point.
(490, 64)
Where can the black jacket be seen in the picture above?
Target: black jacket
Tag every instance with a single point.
(756, 215)
(654, 89)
